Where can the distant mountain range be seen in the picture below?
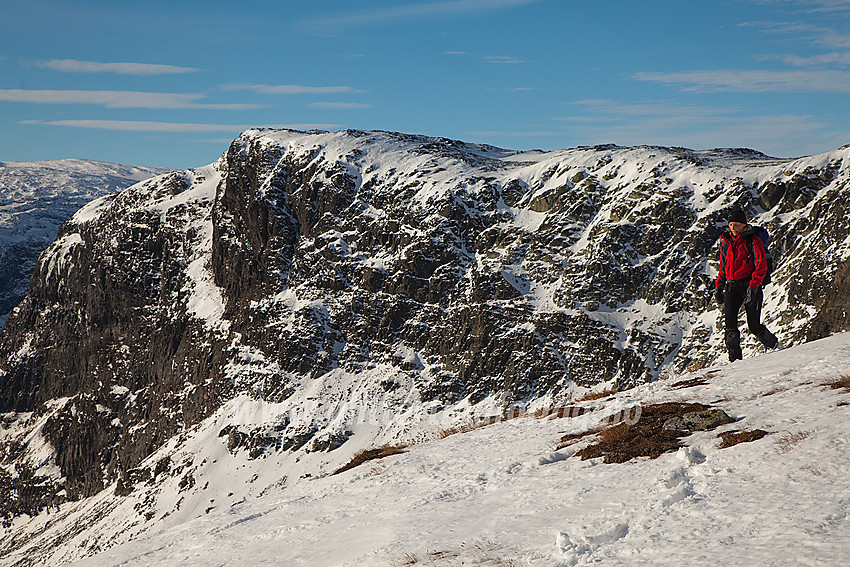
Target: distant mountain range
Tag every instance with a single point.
(311, 294)
(35, 199)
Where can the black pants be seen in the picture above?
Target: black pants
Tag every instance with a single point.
(733, 298)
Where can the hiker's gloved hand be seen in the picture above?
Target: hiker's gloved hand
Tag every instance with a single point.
(751, 295)
(718, 295)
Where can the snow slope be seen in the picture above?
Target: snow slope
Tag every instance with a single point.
(500, 495)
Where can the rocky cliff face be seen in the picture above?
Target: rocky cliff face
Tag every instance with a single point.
(330, 274)
(35, 199)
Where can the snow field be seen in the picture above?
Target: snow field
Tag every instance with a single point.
(499, 495)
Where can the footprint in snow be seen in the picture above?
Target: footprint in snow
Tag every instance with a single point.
(680, 478)
(574, 549)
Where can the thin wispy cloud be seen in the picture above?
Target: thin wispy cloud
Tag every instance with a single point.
(602, 110)
(512, 133)
(146, 126)
(825, 81)
(777, 135)
(341, 105)
(829, 37)
(290, 89)
(497, 59)
(117, 99)
(839, 59)
(396, 13)
(76, 66)
(694, 126)
(828, 6)
(504, 59)
(513, 89)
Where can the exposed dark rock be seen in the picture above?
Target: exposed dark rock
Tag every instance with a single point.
(35, 199)
(834, 313)
(698, 421)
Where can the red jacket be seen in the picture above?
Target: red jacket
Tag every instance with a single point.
(736, 262)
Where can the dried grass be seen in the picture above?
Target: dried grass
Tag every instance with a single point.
(698, 381)
(786, 442)
(622, 442)
(840, 383)
(591, 396)
(465, 428)
(370, 455)
(558, 412)
(732, 438)
(572, 438)
(484, 553)
(814, 470)
(615, 433)
(776, 390)
(476, 424)
(548, 412)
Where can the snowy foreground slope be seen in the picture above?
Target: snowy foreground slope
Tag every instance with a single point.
(500, 495)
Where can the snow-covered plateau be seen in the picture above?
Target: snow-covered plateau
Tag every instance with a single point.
(198, 353)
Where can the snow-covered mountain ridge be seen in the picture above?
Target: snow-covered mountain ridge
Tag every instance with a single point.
(365, 288)
(35, 199)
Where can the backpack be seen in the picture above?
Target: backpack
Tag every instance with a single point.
(761, 232)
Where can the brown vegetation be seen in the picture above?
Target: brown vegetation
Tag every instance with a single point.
(786, 442)
(698, 381)
(591, 396)
(548, 412)
(840, 383)
(371, 454)
(568, 440)
(732, 438)
(649, 437)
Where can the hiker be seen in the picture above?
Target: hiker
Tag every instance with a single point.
(743, 266)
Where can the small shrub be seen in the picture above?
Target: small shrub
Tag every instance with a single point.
(732, 438)
(371, 454)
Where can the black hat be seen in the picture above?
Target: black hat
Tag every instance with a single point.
(738, 215)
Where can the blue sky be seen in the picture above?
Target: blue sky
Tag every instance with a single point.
(170, 83)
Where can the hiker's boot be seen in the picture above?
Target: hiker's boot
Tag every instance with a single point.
(768, 339)
(733, 344)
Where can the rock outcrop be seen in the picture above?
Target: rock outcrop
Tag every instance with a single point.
(35, 199)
